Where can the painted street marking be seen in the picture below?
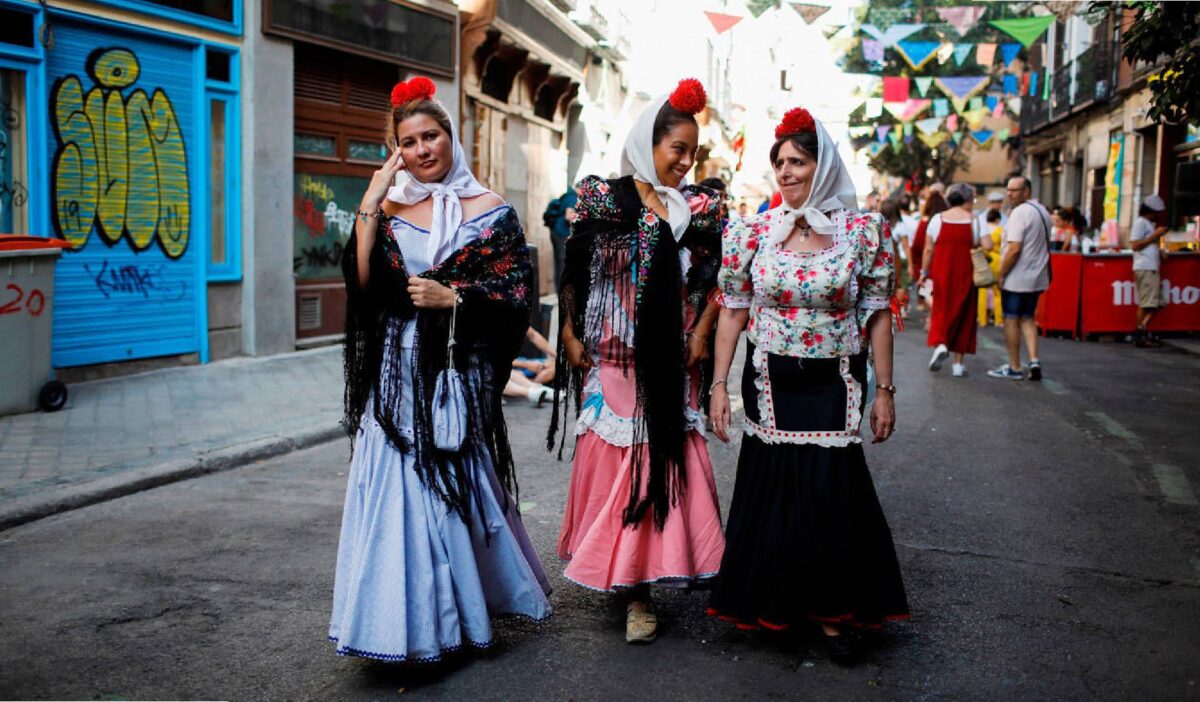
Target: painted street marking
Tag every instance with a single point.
(1174, 485)
(1113, 427)
(1054, 386)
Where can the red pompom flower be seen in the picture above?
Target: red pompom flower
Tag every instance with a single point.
(419, 88)
(689, 96)
(795, 120)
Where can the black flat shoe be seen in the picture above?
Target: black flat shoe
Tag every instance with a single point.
(843, 648)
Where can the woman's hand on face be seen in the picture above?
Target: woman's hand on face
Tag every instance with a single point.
(696, 350)
(381, 180)
(719, 412)
(429, 294)
(883, 416)
(577, 355)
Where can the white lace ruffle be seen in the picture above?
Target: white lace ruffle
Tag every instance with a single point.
(831, 440)
(618, 431)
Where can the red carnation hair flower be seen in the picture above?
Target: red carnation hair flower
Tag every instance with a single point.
(419, 88)
(689, 96)
(795, 120)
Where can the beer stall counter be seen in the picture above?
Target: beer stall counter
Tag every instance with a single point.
(1093, 293)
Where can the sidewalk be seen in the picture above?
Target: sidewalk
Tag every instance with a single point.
(126, 434)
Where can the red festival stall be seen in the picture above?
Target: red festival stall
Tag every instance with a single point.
(1095, 294)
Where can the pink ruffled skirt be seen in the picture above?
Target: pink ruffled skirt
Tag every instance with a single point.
(605, 554)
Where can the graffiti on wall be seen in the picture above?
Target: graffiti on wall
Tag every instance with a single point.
(322, 224)
(121, 165)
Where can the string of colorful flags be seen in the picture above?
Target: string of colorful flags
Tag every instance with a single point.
(961, 109)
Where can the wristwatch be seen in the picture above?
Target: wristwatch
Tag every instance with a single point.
(889, 388)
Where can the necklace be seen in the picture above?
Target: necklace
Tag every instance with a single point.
(805, 230)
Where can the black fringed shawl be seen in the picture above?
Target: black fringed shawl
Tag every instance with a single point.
(615, 238)
(493, 277)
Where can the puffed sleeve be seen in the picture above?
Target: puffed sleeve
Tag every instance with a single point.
(738, 246)
(596, 202)
(876, 264)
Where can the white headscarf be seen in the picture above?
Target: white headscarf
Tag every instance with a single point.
(831, 190)
(637, 160)
(447, 194)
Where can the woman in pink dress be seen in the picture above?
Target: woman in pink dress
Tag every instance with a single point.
(641, 262)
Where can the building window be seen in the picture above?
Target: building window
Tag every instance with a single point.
(213, 9)
(14, 155)
(224, 166)
(370, 151)
(315, 145)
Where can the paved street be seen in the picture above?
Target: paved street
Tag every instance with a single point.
(1047, 533)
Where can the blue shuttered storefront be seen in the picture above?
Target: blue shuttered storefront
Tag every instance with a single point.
(123, 109)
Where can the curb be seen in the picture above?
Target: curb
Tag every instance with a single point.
(132, 478)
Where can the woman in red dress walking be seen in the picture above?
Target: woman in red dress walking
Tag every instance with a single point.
(946, 261)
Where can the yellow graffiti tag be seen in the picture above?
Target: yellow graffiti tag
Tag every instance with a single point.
(121, 165)
(315, 189)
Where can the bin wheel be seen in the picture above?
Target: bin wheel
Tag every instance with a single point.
(52, 396)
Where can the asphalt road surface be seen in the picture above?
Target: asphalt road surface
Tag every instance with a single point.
(1048, 534)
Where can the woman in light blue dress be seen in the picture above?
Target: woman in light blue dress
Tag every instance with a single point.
(437, 278)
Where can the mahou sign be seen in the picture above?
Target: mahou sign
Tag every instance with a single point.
(1109, 299)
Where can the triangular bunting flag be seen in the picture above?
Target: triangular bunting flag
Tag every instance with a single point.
(961, 18)
(985, 54)
(892, 34)
(962, 87)
(1033, 83)
(998, 110)
(929, 125)
(872, 50)
(1010, 84)
(1008, 52)
(1002, 135)
(908, 129)
(1024, 29)
(941, 107)
(975, 117)
(976, 103)
(961, 52)
(894, 137)
(874, 108)
(917, 53)
(982, 136)
(1014, 106)
(881, 132)
(1046, 88)
(722, 22)
(960, 105)
(895, 89)
(923, 85)
(957, 137)
(952, 123)
(906, 111)
(810, 12)
(934, 140)
(874, 149)
(990, 101)
(908, 138)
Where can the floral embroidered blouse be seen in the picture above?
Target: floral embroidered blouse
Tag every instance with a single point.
(811, 304)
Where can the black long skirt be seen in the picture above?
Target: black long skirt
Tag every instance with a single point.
(806, 538)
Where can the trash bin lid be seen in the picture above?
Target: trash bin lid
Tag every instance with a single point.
(13, 243)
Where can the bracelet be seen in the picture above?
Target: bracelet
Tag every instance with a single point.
(719, 381)
(889, 388)
(364, 215)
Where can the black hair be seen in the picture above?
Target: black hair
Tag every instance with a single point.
(714, 183)
(993, 215)
(804, 141)
(667, 119)
(958, 194)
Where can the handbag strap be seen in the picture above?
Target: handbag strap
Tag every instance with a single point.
(450, 342)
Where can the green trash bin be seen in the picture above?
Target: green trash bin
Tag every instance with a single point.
(26, 312)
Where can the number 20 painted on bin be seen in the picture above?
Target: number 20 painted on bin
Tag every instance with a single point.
(35, 304)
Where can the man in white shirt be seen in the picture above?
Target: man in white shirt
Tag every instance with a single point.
(1143, 239)
(1024, 274)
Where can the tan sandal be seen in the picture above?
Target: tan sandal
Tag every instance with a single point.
(641, 625)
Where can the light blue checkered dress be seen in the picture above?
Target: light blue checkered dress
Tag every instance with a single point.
(413, 579)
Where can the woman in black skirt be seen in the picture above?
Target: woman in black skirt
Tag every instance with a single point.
(811, 283)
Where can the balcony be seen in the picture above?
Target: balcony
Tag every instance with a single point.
(589, 19)
(1084, 82)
